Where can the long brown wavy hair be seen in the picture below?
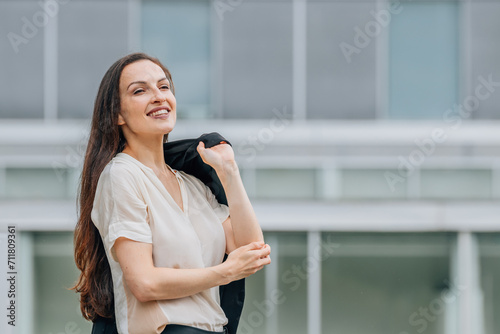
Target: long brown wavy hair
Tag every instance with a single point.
(106, 139)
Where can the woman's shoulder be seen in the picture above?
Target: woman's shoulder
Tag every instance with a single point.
(121, 169)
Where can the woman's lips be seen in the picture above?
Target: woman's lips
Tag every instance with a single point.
(161, 116)
(159, 113)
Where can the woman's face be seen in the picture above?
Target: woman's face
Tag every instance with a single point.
(147, 103)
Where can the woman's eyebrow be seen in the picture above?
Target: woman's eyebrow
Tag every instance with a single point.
(144, 82)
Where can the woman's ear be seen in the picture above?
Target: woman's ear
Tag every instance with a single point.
(121, 120)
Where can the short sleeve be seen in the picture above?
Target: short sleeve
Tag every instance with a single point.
(119, 209)
(221, 210)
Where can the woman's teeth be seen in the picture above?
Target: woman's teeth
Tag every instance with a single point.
(159, 112)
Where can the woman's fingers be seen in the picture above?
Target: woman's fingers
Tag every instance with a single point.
(264, 262)
(255, 245)
(264, 251)
(249, 259)
(260, 257)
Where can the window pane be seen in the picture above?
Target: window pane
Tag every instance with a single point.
(365, 184)
(185, 52)
(21, 86)
(423, 60)
(456, 184)
(292, 261)
(376, 283)
(92, 36)
(489, 247)
(252, 318)
(339, 87)
(286, 183)
(257, 59)
(57, 309)
(31, 183)
(276, 296)
(485, 55)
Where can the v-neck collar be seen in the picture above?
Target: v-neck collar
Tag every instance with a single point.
(160, 185)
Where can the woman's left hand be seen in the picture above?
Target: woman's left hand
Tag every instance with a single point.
(220, 157)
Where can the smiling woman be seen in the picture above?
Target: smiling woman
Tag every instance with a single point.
(147, 257)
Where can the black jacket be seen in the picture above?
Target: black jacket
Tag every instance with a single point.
(182, 155)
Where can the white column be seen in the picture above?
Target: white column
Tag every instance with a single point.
(468, 285)
(382, 67)
(465, 64)
(314, 283)
(329, 182)
(50, 61)
(451, 310)
(216, 63)
(271, 279)
(26, 289)
(134, 25)
(299, 59)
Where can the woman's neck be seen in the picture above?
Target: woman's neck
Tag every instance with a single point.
(149, 153)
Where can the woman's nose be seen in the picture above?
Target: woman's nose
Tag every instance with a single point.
(159, 96)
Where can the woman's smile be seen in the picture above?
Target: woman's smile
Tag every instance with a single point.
(159, 113)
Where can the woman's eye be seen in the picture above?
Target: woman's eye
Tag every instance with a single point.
(137, 91)
(164, 87)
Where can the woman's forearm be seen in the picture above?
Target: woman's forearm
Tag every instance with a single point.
(148, 282)
(169, 283)
(244, 222)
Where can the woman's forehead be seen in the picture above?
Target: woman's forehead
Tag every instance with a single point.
(142, 70)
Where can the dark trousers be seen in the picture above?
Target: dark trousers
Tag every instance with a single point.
(108, 326)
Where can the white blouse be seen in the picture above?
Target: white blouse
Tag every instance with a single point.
(132, 202)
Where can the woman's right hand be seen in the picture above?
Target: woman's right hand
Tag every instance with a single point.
(245, 261)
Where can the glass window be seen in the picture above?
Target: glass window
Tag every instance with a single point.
(370, 183)
(276, 296)
(253, 319)
(292, 259)
(286, 183)
(423, 60)
(21, 59)
(340, 84)
(72, 180)
(39, 183)
(178, 33)
(57, 309)
(92, 36)
(257, 59)
(485, 56)
(456, 184)
(330, 186)
(380, 283)
(489, 247)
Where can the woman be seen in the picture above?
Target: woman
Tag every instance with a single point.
(150, 240)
